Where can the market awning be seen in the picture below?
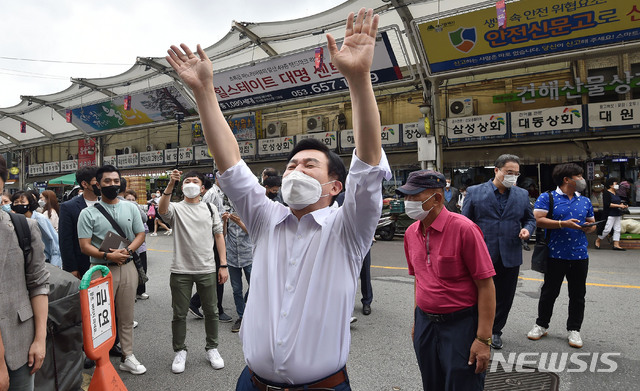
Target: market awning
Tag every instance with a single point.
(69, 179)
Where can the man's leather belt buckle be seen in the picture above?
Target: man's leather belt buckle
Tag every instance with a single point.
(438, 318)
(441, 318)
(328, 383)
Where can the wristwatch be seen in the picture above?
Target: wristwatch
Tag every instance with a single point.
(104, 256)
(223, 266)
(130, 251)
(486, 341)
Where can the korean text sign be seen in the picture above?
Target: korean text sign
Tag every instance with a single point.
(534, 28)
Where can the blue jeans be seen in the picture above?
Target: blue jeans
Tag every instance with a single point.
(235, 275)
(245, 384)
(20, 379)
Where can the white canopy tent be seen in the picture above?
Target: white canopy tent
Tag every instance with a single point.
(245, 43)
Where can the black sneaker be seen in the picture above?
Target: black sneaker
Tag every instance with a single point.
(236, 326)
(224, 318)
(195, 311)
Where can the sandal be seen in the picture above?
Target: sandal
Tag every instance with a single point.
(618, 248)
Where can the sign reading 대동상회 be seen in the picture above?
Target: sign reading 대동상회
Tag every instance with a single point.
(534, 28)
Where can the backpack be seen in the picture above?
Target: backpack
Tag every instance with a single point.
(24, 234)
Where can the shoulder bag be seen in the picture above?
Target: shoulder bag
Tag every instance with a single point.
(142, 276)
(540, 255)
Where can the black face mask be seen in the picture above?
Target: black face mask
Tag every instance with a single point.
(272, 195)
(22, 209)
(110, 192)
(96, 191)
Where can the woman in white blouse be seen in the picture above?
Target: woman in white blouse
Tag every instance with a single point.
(50, 207)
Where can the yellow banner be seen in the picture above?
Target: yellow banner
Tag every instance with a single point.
(534, 28)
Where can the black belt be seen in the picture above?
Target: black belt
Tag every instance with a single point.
(328, 383)
(119, 264)
(441, 318)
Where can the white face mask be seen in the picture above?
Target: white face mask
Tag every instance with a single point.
(299, 190)
(616, 187)
(509, 181)
(414, 210)
(191, 190)
(42, 203)
(157, 195)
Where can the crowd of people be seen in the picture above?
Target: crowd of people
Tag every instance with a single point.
(301, 242)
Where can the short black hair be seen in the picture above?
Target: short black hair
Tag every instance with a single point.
(29, 195)
(566, 170)
(506, 158)
(610, 181)
(272, 181)
(336, 166)
(193, 174)
(106, 168)
(208, 183)
(123, 185)
(270, 171)
(86, 174)
(4, 173)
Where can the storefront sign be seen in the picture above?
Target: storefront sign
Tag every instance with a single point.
(69, 165)
(534, 29)
(412, 131)
(128, 160)
(110, 160)
(247, 149)
(36, 169)
(553, 119)
(347, 141)
(275, 146)
(243, 126)
(196, 133)
(201, 153)
(186, 155)
(591, 169)
(389, 134)
(151, 158)
(477, 127)
(621, 113)
(554, 89)
(327, 138)
(86, 153)
(52, 167)
(295, 76)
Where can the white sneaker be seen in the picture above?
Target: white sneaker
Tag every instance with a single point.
(574, 339)
(215, 359)
(168, 232)
(131, 364)
(135, 324)
(153, 234)
(179, 361)
(143, 296)
(536, 333)
(353, 320)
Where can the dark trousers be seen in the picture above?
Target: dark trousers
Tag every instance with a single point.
(143, 260)
(576, 273)
(443, 349)
(245, 384)
(365, 280)
(505, 281)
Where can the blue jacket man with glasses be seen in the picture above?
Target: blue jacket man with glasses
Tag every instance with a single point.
(503, 213)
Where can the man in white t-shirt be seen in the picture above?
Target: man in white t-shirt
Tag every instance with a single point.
(193, 263)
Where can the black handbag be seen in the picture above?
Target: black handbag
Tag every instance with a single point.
(540, 255)
(142, 276)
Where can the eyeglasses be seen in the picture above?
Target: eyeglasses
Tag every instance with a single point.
(516, 173)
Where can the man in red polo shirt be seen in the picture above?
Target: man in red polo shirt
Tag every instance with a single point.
(454, 293)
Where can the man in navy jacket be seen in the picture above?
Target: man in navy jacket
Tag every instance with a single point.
(73, 260)
(503, 213)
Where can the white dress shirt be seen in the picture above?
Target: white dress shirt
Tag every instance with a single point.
(295, 328)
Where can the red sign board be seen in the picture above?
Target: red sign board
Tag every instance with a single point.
(86, 153)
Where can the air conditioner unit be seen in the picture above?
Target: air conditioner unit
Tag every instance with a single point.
(150, 147)
(314, 124)
(274, 129)
(128, 149)
(460, 107)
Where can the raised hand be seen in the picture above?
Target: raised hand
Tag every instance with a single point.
(356, 54)
(195, 71)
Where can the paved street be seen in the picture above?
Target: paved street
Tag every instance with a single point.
(382, 355)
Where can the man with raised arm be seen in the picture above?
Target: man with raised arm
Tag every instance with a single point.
(295, 330)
